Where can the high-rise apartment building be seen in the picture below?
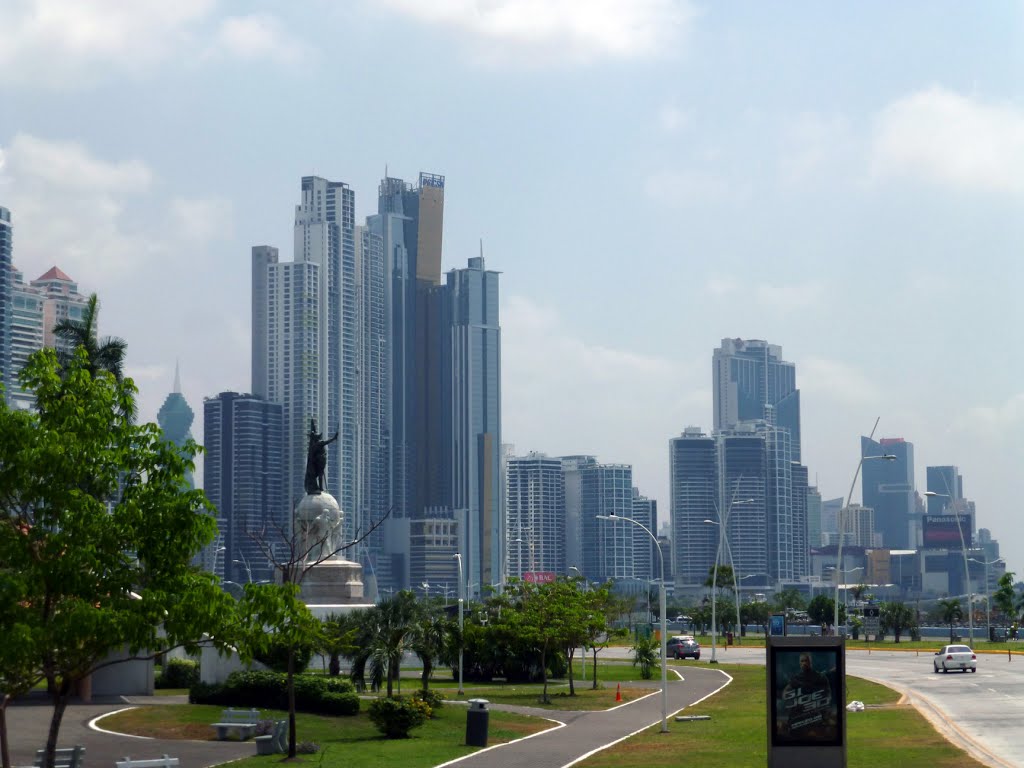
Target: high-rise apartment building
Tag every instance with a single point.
(945, 481)
(535, 515)
(35, 309)
(6, 298)
(243, 479)
(888, 488)
(608, 546)
(693, 498)
(646, 559)
(753, 383)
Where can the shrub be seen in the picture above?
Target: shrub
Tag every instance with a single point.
(307, 748)
(345, 704)
(396, 717)
(263, 689)
(275, 655)
(208, 693)
(433, 699)
(178, 673)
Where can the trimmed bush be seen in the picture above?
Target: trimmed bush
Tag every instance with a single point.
(263, 689)
(178, 673)
(397, 716)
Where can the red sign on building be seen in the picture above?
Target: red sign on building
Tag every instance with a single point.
(539, 577)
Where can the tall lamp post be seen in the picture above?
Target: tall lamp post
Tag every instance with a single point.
(967, 572)
(583, 650)
(846, 592)
(661, 608)
(988, 590)
(722, 523)
(842, 533)
(458, 556)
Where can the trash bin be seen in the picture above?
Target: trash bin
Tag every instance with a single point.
(728, 638)
(476, 723)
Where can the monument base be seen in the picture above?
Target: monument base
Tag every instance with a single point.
(335, 582)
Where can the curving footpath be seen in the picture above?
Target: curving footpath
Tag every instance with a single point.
(578, 735)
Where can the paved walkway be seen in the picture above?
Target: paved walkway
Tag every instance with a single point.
(579, 735)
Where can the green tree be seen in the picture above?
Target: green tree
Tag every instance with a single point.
(97, 533)
(1005, 597)
(646, 651)
(106, 354)
(756, 612)
(385, 636)
(821, 610)
(896, 617)
(724, 579)
(430, 639)
(789, 599)
(603, 609)
(951, 613)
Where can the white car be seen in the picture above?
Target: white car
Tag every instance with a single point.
(955, 657)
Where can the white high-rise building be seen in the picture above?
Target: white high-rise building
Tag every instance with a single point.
(535, 514)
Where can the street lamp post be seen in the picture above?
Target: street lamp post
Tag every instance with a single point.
(722, 523)
(661, 608)
(583, 650)
(842, 533)
(967, 572)
(846, 592)
(988, 590)
(458, 556)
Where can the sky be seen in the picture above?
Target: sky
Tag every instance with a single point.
(844, 180)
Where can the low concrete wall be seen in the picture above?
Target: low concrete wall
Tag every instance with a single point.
(132, 677)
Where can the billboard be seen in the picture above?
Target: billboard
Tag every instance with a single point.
(806, 696)
(539, 577)
(942, 532)
(777, 624)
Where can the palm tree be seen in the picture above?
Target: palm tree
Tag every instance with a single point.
(106, 354)
(385, 637)
(951, 612)
(429, 641)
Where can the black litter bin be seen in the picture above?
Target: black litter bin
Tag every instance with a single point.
(728, 638)
(476, 723)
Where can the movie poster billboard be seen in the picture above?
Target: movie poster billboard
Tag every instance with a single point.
(806, 696)
(777, 625)
(942, 532)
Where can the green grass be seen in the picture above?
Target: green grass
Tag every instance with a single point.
(886, 733)
(344, 741)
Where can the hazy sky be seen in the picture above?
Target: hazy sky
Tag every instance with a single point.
(843, 179)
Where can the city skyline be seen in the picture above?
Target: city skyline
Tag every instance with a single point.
(648, 177)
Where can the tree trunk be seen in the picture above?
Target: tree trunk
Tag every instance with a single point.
(334, 666)
(5, 754)
(544, 673)
(60, 703)
(594, 676)
(572, 688)
(425, 677)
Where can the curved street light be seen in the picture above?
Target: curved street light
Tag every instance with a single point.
(458, 556)
(583, 649)
(732, 564)
(842, 533)
(967, 571)
(988, 589)
(661, 608)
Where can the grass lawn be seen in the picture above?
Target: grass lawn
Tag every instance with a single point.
(344, 741)
(886, 733)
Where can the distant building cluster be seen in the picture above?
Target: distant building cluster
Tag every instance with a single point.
(360, 334)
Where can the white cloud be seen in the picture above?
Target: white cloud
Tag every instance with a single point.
(69, 165)
(835, 380)
(995, 422)
(790, 297)
(672, 119)
(59, 43)
(811, 145)
(943, 137)
(203, 218)
(258, 36)
(576, 30)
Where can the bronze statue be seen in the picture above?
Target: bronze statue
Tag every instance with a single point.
(316, 460)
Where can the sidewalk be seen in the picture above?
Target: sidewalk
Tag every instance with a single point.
(584, 733)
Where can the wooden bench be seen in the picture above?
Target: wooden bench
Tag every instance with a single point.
(156, 762)
(66, 757)
(239, 721)
(275, 742)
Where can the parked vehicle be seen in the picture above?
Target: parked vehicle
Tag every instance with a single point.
(682, 647)
(955, 657)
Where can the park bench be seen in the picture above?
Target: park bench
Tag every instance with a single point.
(275, 742)
(240, 721)
(156, 762)
(66, 757)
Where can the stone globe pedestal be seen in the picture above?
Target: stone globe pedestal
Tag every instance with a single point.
(334, 581)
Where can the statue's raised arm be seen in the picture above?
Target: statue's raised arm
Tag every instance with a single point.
(316, 460)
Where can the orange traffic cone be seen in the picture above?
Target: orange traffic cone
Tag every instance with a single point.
(618, 692)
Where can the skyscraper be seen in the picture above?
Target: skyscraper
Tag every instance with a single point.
(175, 418)
(243, 437)
(752, 382)
(6, 300)
(693, 498)
(474, 440)
(608, 546)
(888, 488)
(536, 515)
(945, 481)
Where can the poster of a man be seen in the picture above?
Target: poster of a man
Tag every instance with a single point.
(805, 710)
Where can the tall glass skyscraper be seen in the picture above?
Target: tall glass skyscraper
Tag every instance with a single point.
(175, 418)
(753, 383)
(888, 488)
(243, 479)
(536, 515)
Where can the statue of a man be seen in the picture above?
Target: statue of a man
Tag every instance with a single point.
(316, 460)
